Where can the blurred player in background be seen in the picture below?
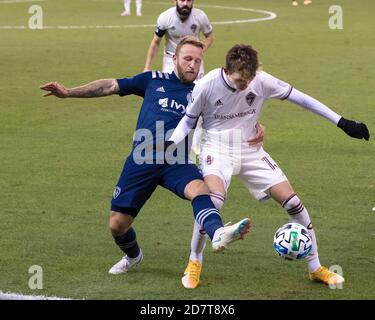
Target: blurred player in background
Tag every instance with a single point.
(165, 97)
(230, 101)
(127, 11)
(176, 23)
(306, 2)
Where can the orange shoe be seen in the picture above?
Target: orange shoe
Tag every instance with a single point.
(322, 274)
(192, 274)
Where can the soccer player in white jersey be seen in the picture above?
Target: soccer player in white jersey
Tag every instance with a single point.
(230, 101)
(127, 11)
(176, 23)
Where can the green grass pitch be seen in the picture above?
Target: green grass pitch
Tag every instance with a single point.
(60, 159)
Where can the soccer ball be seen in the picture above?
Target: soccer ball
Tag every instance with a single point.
(292, 241)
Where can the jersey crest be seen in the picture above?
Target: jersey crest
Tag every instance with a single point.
(250, 98)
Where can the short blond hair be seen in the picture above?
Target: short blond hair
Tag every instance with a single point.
(194, 41)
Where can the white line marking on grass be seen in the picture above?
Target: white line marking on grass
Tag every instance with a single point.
(17, 296)
(269, 16)
(18, 1)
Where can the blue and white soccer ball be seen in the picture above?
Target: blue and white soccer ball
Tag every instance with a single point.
(292, 241)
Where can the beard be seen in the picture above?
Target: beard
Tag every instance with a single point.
(186, 77)
(184, 12)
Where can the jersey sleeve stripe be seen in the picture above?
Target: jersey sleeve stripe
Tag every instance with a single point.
(288, 93)
(191, 116)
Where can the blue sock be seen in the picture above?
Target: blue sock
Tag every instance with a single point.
(206, 214)
(128, 243)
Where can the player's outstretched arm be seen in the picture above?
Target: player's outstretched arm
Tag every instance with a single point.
(352, 128)
(98, 88)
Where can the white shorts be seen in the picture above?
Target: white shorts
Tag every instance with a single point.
(254, 167)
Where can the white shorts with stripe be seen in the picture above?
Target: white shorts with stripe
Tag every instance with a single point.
(254, 167)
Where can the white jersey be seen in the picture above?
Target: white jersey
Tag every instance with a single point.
(224, 108)
(170, 24)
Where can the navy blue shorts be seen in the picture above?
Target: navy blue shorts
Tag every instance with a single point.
(138, 182)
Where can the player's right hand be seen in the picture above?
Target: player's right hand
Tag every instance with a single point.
(354, 129)
(55, 89)
(259, 136)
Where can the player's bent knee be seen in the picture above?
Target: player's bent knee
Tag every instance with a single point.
(196, 188)
(119, 223)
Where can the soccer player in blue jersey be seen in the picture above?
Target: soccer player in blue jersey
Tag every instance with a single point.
(166, 96)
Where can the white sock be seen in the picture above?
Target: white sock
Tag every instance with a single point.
(138, 4)
(298, 213)
(127, 5)
(198, 243)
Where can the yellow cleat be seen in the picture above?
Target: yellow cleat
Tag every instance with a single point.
(192, 274)
(326, 276)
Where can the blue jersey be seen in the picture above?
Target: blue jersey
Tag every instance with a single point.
(165, 99)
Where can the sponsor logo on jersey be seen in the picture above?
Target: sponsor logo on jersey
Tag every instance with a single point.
(234, 115)
(163, 102)
(172, 104)
(193, 27)
(250, 98)
(161, 89)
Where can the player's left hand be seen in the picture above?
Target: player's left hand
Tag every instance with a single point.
(55, 89)
(354, 129)
(259, 136)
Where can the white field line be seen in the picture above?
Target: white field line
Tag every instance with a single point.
(269, 16)
(18, 1)
(17, 296)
